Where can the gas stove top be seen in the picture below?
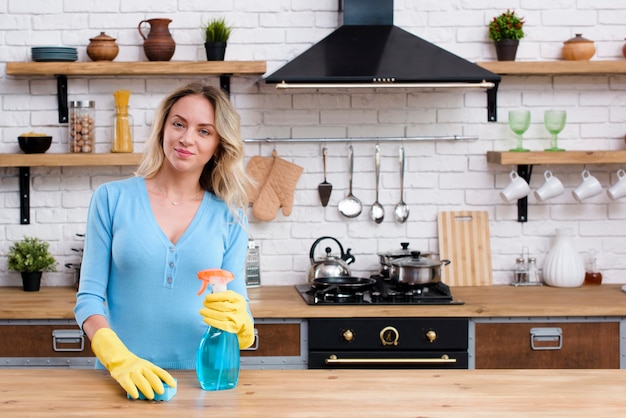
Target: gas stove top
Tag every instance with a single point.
(381, 293)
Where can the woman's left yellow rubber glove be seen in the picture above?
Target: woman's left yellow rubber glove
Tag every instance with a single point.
(228, 311)
(130, 371)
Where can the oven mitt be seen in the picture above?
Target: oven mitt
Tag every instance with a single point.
(228, 311)
(278, 190)
(130, 371)
(259, 169)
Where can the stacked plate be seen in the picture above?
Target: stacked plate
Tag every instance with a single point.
(53, 53)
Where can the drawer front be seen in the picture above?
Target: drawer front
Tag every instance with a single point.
(547, 345)
(58, 340)
(272, 340)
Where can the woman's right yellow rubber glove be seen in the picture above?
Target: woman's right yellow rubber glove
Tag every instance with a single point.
(130, 371)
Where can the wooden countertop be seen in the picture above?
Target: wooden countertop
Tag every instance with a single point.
(285, 302)
(326, 393)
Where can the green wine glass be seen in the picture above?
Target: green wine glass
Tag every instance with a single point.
(554, 121)
(519, 121)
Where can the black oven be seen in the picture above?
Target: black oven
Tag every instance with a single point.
(388, 343)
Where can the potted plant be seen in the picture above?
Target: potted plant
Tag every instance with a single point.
(31, 257)
(506, 30)
(216, 34)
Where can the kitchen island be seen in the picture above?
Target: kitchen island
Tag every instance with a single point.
(589, 321)
(326, 393)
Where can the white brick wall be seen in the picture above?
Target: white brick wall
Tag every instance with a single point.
(448, 175)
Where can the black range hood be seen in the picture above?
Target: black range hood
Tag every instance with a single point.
(369, 51)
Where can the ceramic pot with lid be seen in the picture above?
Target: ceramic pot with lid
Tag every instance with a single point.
(578, 49)
(102, 48)
(416, 269)
(331, 265)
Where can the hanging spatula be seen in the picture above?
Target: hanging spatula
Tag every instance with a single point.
(324, 188)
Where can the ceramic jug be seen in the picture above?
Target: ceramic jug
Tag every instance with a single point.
(159, 45)
(563, 267)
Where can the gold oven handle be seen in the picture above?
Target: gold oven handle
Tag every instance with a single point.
(445, 359)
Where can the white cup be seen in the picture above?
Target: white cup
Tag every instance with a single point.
(589, 187)
(516, 189)
(618, 190)
(550, 188)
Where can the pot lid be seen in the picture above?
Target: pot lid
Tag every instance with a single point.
(577, 38)
(405, 251)
(415, 260)
(102, 37)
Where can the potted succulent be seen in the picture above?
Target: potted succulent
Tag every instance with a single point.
(216, 34)
(506, 30)
(31, 257)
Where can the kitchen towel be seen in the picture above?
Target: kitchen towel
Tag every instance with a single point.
(276, 189)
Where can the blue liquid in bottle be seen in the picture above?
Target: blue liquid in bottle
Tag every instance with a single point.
(217, 360)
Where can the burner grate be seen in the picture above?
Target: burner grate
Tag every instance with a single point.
(382, 293)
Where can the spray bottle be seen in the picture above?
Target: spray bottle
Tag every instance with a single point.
(217, 358)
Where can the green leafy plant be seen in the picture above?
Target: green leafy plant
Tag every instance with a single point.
(31, 255)
(508, 25)
(217, 30)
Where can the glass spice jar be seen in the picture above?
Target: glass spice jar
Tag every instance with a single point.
(82, 126)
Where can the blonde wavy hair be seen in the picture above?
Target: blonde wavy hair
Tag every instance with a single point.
(224, 175)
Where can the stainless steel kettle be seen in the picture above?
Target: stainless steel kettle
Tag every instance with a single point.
(331, 266)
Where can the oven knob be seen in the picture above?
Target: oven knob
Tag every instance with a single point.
(431, 336)
(348, 335)
(389, 336)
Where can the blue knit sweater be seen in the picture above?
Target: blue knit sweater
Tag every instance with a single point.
(145, 285)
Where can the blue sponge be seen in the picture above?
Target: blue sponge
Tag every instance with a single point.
(167, 394)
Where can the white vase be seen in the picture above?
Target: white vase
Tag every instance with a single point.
(563, 266)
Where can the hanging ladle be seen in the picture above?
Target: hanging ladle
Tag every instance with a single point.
(401, 210)
(377, 212)
(350, 206)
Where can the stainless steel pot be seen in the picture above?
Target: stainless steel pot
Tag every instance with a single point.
(388, 257)
(416, 270)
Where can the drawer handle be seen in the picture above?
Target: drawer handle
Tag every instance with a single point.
(68, 336)
(255, 345)
(546, 335)
(445, 359)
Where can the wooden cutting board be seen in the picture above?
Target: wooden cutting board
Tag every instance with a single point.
(464, 240)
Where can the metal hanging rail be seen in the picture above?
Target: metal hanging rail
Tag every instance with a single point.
(348, 140)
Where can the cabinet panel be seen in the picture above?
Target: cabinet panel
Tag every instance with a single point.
(279, 344)
(38, 341)
(583, 345)
(275, 340)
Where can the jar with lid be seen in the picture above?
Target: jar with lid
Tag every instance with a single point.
(82, 126)
(533, 271)
(521, 271)
(592, 274)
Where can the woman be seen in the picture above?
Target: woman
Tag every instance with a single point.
(149, 235)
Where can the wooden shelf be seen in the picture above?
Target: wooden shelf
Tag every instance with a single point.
(65, 160)
(555, 67)
(60, 70)
(525, 161)
(104, 68)
(25, 161)
(553, 158)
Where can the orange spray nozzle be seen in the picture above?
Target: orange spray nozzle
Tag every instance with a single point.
(217, 277)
